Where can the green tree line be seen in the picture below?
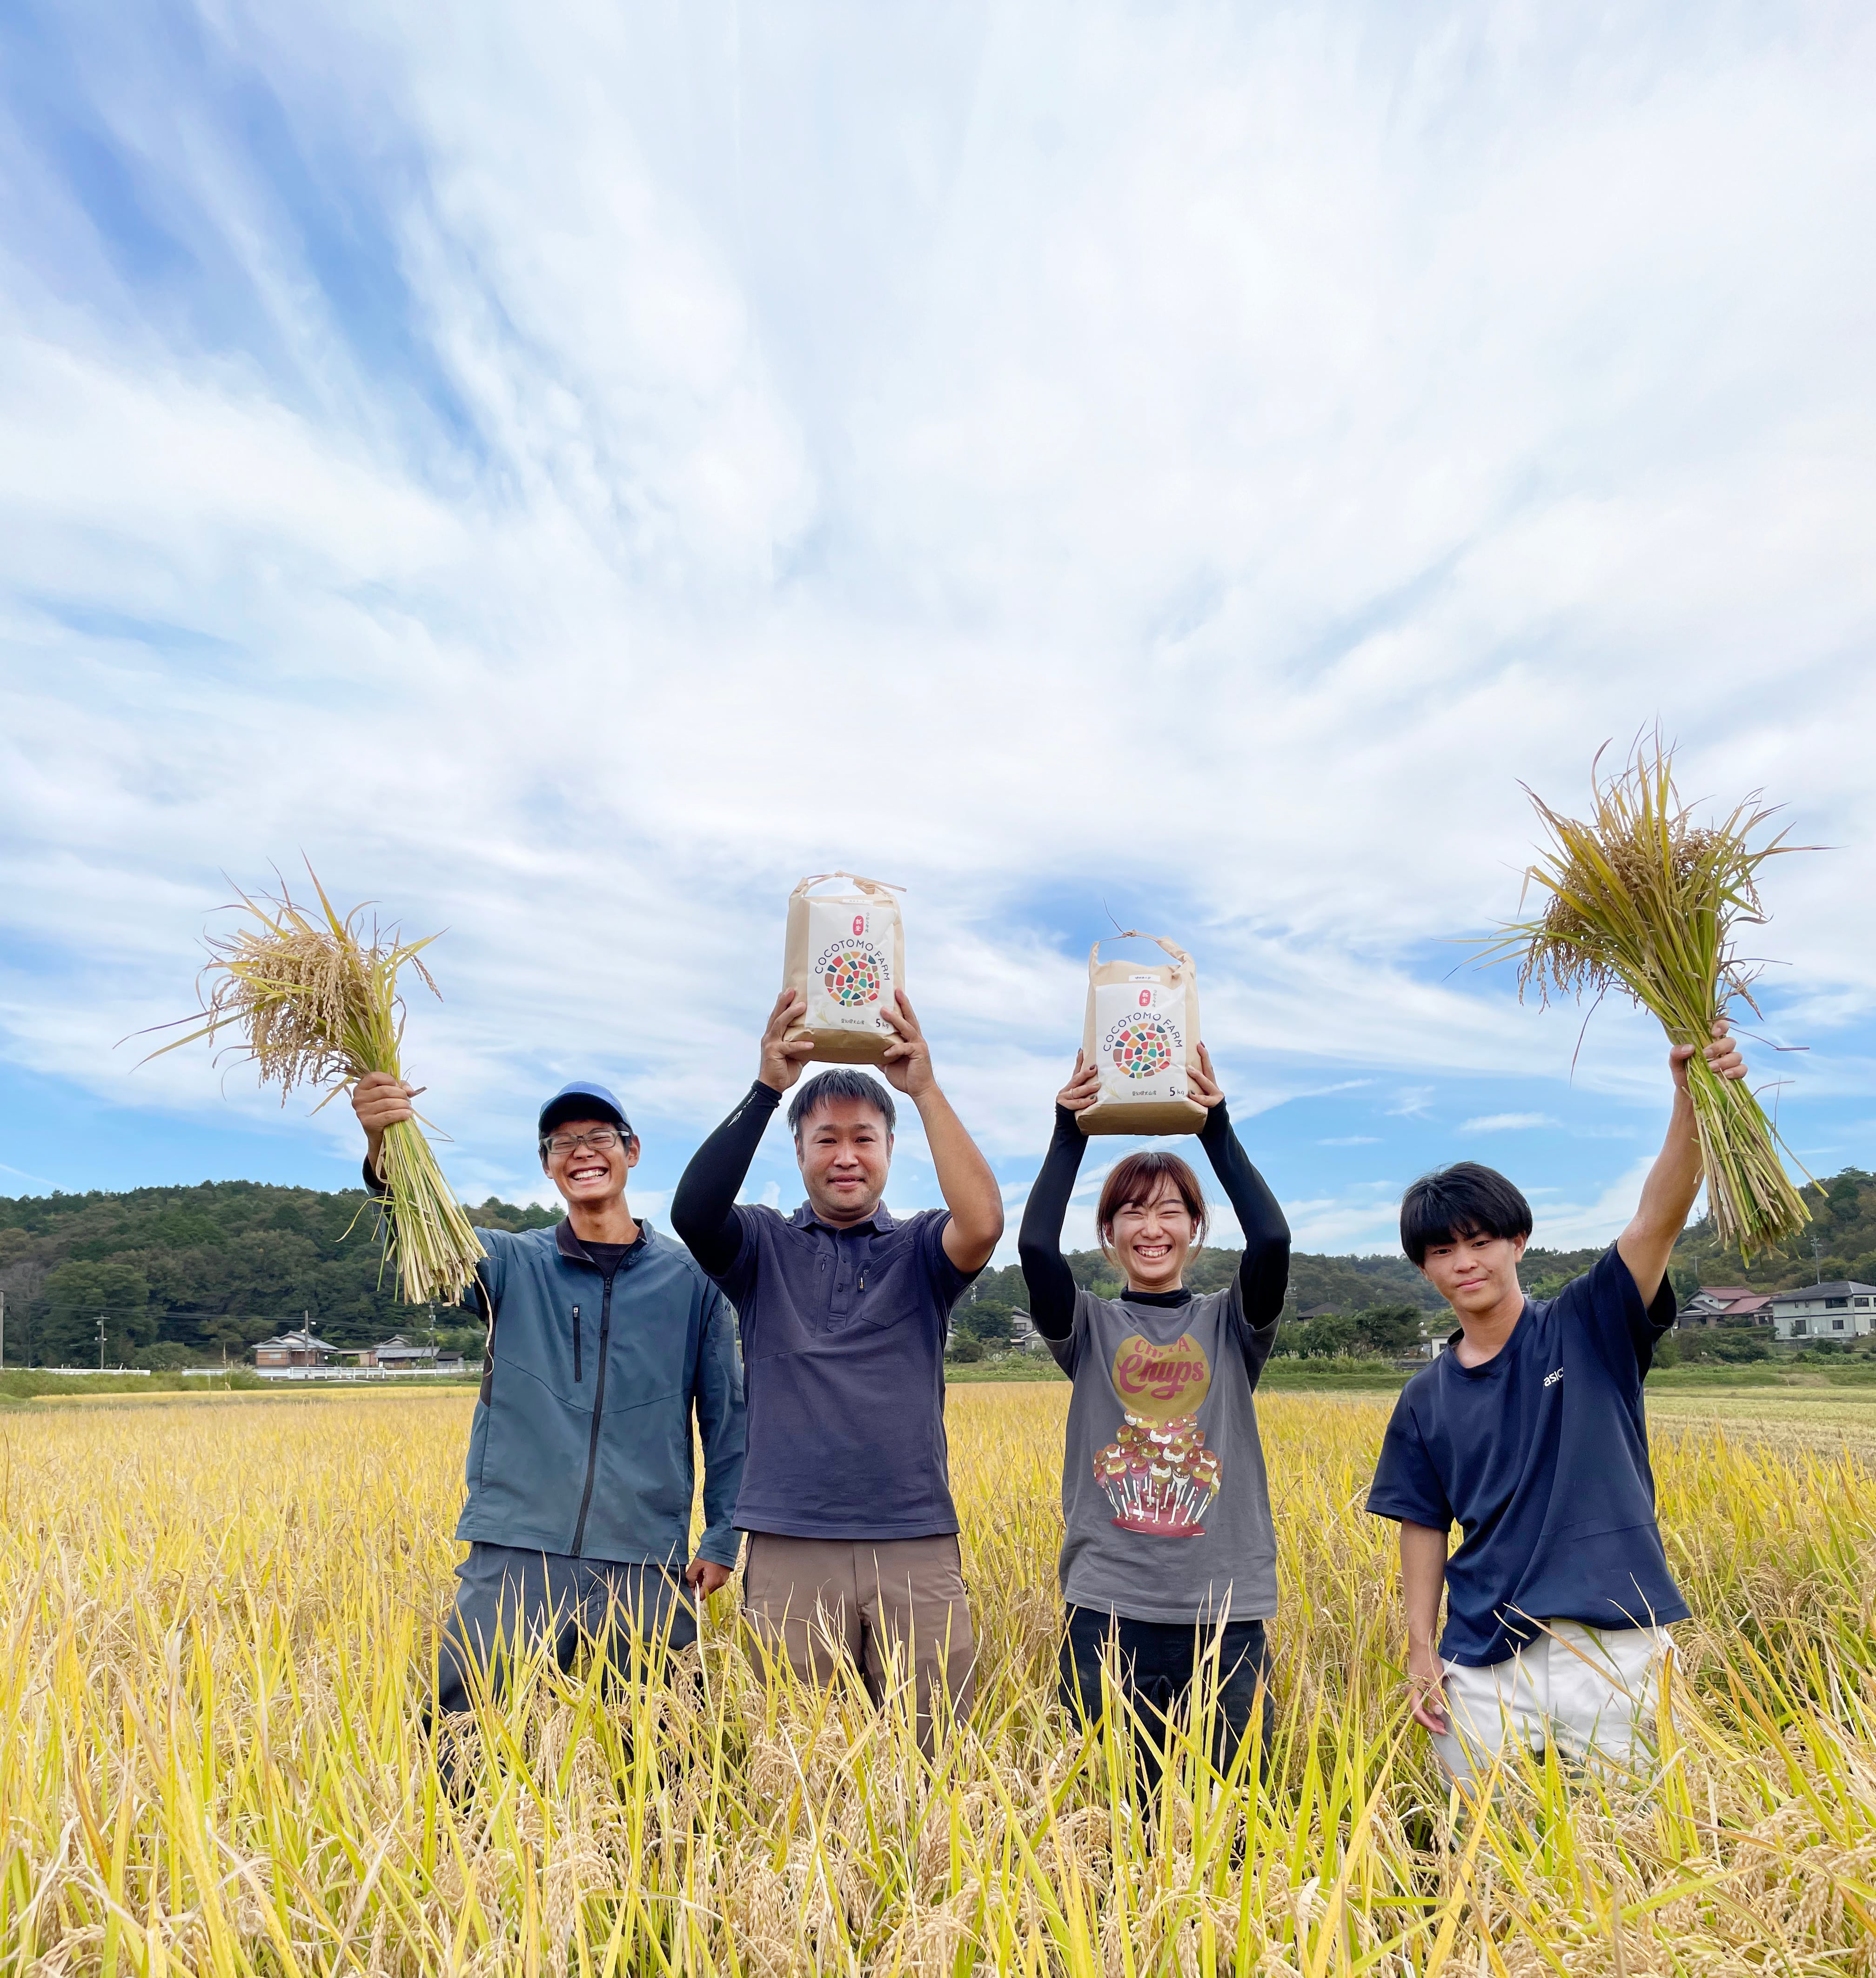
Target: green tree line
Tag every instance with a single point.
(183, 1276)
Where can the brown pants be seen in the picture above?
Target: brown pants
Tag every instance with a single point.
(869, 1601)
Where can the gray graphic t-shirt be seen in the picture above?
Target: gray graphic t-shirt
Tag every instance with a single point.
(1164, 1498)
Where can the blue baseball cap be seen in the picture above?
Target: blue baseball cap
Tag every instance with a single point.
(582, 1100)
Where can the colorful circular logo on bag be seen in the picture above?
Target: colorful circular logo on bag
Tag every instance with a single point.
(852, 978)
(1142, 1047)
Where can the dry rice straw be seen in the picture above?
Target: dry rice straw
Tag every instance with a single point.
(1643, 900)
(316, 1003)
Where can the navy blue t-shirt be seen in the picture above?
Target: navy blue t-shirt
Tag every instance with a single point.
(843, 1352)
(1541, 1455)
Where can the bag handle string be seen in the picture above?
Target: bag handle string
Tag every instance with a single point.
(1178, 954)
(865, 885)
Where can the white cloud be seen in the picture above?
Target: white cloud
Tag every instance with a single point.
(1195, 462)
(1506, 1123)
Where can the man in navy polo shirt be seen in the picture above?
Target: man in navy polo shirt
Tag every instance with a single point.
(846, 1493)
(1529, 1431)
(605, 1343)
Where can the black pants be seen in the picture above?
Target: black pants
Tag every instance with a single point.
(1158, 1661)
(508, 1596)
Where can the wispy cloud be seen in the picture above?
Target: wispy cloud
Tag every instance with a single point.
(571, 483)
(1506, 1123)
(1351, 1140)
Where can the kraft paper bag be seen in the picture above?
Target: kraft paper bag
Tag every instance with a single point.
(846, 953)
(1142, 1035)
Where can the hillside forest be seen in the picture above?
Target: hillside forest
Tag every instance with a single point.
(191, 1276)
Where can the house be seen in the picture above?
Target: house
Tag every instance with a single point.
(397, 1355)
(1023, 1337)
(291, 1352)
(1725, 1305)
(1839, 1311)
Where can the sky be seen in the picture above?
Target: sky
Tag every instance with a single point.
(566, 471)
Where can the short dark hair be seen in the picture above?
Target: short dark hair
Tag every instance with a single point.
(1136, 1179)
(1464, 1200)
(840, 1083)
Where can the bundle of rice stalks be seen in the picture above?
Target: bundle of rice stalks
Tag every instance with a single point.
(1644, 901)
(315, 1002)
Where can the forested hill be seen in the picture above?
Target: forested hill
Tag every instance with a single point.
(181, 1274)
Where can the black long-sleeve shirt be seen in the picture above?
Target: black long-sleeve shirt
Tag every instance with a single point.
(703, 1211)
(1263, 1275)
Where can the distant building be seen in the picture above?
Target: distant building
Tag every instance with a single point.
(1023, 1337)
(1725, 1305)
(289, 1352)
(1840, 1310)
(397, 1355)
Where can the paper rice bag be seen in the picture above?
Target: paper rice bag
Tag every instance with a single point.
(846, 952)
(1142, 1035)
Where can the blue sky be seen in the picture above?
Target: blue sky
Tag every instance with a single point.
(571, 475)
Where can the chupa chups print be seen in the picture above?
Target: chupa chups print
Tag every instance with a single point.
(1160, 1477)
(1142, 1036)
(1157, 1472)
(845, 956)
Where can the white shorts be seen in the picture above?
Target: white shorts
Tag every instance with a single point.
(1593, 1690)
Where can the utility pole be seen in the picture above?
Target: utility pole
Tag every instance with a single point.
(1817, 1252)
(101, 1342)
(2, 1332)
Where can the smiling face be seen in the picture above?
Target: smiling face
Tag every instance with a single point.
(1152, 1239)
(1475, 1273)
(589, 1177)
(845, 1153)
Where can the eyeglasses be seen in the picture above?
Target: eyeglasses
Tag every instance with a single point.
(601, 1140)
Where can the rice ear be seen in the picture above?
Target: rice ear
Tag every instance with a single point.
(1643, 900)
(314, 1002)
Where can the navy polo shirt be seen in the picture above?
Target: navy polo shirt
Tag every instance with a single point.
(843, 1354)
(1541, 1457)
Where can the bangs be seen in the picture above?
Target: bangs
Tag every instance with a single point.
(1135, 1181)
(1465, 1201)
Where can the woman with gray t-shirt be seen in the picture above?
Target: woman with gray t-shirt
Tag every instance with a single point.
(1169, 1552)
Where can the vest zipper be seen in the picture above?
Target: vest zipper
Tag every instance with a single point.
(577, 1376)
(599, 1402)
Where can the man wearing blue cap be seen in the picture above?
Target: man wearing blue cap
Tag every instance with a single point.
(605, 1339)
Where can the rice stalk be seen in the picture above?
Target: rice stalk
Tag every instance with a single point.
(1644, 901)
(219, 1616)
(315, 1002)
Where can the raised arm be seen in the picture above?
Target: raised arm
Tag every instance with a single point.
(964, 1177)
(380, 1101)
(1046, 1274)
(1264, 1271)
(703, 1211)
(1674, 1180)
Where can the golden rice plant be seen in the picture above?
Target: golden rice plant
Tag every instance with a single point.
(218, 1614)
(1645, 901)
(315, 1002)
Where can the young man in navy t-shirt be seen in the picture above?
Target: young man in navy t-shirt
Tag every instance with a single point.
(1529, 1432)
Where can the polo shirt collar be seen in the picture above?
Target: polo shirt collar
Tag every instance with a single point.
(880, 1221)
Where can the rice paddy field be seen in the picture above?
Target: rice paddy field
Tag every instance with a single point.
(218, 1613)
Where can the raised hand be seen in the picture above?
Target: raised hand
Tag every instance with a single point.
(1202, 1082)
(1722, 1056)
(1084, 1087)
(380, 1101)
(782, 1057)
(907, 1061)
